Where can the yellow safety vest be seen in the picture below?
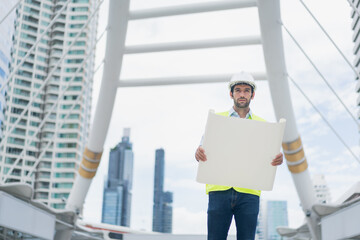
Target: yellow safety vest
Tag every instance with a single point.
(210, 187)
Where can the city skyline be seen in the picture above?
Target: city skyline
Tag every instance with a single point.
(176, 115)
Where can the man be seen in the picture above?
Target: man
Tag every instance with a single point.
(224, 201)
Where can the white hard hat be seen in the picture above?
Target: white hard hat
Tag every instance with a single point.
(242, 77)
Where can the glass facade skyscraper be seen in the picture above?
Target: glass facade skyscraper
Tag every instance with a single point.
(7, 28)
(49, 96)
(260, 231)
(162, 208)
(116, 208)
(276, 215)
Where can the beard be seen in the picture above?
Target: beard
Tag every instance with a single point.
(244, 104)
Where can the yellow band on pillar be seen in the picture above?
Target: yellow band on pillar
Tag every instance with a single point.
(92, 155)
(298, 168)
(295, 156)
(292, 145)
(86, 174)
(89, 163)
(294, 152)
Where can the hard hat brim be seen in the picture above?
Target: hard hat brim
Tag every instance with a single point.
(252, 84)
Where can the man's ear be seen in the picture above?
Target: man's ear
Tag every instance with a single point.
(253, 95)
(231, 94)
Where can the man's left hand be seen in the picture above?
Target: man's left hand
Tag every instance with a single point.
(278, 160)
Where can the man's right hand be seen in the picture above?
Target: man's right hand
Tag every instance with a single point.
(200, 154)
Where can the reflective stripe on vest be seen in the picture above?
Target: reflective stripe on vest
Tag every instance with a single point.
(210, 187)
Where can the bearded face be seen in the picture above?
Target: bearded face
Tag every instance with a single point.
(242, 95)
(242, 102)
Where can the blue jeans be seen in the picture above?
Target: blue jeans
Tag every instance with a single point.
(223, 205)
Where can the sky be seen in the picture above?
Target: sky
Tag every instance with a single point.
(174, 117)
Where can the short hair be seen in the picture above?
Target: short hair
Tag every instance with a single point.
(242, 83)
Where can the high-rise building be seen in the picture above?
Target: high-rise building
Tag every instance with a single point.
(275, 215)
(260, 231)
(7, 28)
(49, 96)
(321, 189)
(117, 192)
(162, 208)
(355, 25)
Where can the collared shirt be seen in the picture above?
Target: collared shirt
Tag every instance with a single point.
(233, 113)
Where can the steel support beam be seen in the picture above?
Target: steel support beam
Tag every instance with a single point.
(191, 9)
(190, 45)
(182, 80)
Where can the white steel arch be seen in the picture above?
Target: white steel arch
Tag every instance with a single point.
(269, 14)
(270, 24)
(117, 26)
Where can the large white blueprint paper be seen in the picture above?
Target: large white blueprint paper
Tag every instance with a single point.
(239, 152)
